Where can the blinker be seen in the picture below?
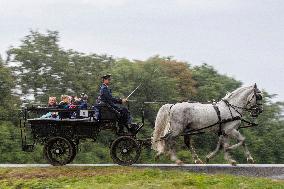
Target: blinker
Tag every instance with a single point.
(258, 96)
(257, 108)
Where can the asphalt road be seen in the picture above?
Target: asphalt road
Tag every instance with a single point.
(275, 171)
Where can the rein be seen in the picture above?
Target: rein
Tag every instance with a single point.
(251, 124)
(236, 107)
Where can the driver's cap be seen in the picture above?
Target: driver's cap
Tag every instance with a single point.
(106, 76)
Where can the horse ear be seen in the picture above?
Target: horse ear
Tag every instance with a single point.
(255, 86)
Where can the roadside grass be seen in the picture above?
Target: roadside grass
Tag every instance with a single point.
(122, 178)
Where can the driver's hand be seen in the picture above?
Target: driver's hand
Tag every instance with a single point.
(124, 101)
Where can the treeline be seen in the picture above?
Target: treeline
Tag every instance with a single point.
(39, 68)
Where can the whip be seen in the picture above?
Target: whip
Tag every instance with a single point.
(138, 86)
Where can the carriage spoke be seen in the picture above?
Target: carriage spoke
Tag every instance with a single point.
(59, 151)
(125, 150)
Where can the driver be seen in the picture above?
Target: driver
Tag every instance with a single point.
(105, 96)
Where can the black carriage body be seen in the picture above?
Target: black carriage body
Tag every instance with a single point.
(71, 129)
(61, 136)
(38, 129)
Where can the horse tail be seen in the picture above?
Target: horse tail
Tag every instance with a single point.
(162, 125)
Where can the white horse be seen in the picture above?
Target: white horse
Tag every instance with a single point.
(223, 117)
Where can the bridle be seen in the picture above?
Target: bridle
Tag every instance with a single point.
(256, 109)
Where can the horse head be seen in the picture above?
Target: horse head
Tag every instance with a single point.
(254, 102)
(246, 98)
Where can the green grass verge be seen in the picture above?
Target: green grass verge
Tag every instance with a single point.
(123, 177)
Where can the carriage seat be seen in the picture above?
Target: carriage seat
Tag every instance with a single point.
(105, 112)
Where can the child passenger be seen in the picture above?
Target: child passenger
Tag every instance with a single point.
(83, 102)
(52, 101)
(64, 104)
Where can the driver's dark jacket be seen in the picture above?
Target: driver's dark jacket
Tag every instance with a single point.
(106, 97)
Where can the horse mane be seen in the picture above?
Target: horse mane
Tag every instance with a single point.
(235, 92)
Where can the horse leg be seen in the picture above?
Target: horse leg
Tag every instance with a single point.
(247, 153)
(171, 143)
(160, 148)
(227, 154)
(188, 143)
(213, 153)
(157, 156)
(237, 135)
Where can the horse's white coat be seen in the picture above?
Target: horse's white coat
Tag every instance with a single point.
(172, 119)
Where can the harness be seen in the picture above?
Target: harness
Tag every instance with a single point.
(219, 118)
(222, 121)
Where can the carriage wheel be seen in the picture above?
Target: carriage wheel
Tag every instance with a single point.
(125, 150)
(59, 151)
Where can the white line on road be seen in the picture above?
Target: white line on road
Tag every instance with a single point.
(147, 165)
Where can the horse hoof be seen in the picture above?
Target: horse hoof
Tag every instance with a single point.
(250, 160)
(233, 163)
(198, 161)
(179, 162)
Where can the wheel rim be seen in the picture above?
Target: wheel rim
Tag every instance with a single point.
(59, 151)
(125, 151)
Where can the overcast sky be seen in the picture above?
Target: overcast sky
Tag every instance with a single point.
(240, 38)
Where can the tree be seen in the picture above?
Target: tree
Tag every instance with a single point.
(8, 102)
(181, 72)
(210, 84)
(85, 71)
(39, 65)
(44, 69)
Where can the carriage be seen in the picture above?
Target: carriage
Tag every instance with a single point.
(61, 137)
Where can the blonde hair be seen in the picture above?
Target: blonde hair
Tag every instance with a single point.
(52, 98)
(64, 97)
